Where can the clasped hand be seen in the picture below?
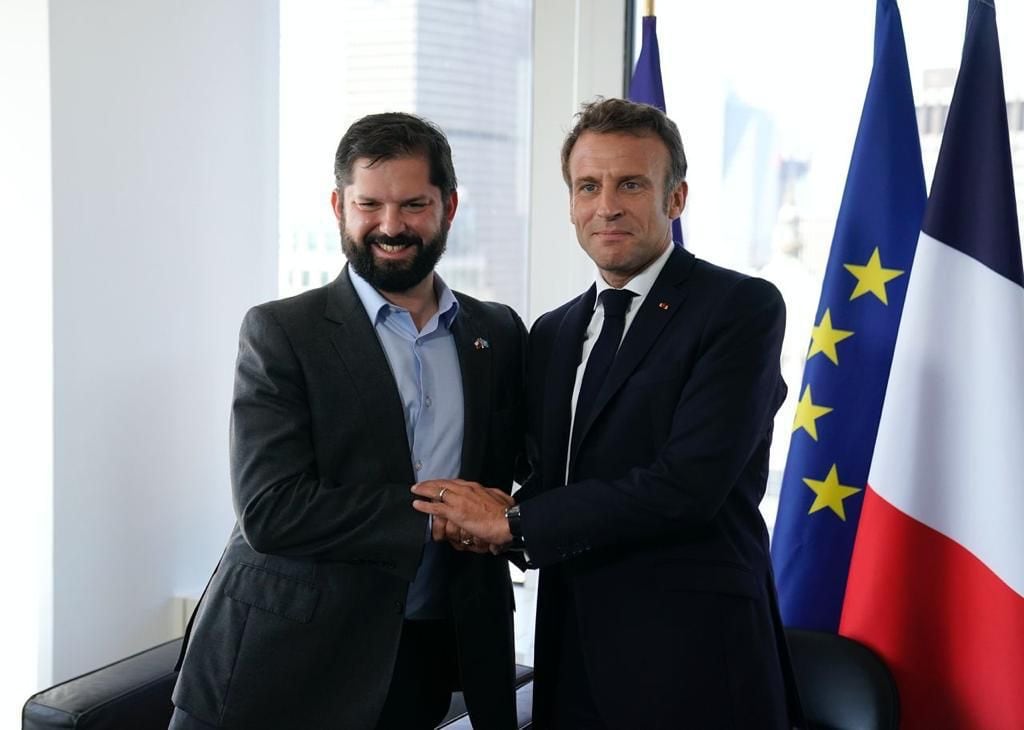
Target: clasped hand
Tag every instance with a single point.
(468, 515)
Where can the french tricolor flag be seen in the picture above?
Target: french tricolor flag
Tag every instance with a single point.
(936, 581)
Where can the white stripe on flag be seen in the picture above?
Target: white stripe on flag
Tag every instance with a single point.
(957, 463)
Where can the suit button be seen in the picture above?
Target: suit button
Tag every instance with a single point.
(400, 607)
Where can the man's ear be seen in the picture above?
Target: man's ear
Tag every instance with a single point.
(450, 206)
(337, 202)
(677, 200)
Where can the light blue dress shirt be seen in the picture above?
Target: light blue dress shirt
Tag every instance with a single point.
(426, 368)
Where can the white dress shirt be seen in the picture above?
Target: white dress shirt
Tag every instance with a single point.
(640, 285)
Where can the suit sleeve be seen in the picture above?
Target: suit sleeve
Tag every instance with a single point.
(283, 504)
(723, 416)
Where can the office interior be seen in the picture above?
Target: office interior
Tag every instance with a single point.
(159, 177)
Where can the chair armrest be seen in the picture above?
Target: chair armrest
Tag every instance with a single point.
(134, 692)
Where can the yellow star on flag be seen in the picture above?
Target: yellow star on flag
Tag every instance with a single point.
(830, 493)
(807, 413)
(824, 338)
(871, 277)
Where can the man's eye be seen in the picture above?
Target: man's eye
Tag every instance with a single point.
(415, 206)
(587, 188)
(631, 185)
(367, 205)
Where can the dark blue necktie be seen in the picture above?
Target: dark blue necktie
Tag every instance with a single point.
(615, 303)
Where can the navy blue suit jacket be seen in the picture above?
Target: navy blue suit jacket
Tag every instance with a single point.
(657, 533)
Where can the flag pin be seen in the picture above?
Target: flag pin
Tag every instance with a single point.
(662, 305)
(481, 344)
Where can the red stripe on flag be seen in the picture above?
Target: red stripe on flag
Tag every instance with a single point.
(950, 630)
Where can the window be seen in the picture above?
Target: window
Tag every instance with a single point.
(464, 66)
(768, 109)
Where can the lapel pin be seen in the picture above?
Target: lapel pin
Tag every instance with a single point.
(662, 305)
(480, 344)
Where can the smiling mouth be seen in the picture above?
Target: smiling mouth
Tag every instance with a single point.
(392, 247)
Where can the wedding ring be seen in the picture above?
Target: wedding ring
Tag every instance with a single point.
(467, 541)
(440, 495)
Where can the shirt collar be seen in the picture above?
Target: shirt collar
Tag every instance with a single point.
(377, 307)
(642, 283)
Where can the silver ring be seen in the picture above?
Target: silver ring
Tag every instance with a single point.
(440, 495)
(467, 541)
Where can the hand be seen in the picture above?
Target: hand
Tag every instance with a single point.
(469, 507)
(444, 531)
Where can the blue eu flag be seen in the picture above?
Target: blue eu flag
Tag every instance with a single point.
(852, 341)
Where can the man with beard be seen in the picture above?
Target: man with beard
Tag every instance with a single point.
(331, 606)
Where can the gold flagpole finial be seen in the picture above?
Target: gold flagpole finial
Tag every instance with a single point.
(648, 8)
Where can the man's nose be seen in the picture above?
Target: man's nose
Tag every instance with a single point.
(391, 223)
(608, 204)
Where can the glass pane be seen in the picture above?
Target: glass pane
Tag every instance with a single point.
(768, 108)
(464, 65)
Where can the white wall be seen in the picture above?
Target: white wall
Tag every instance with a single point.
(162, 231)
(26, 325)
(164, 121)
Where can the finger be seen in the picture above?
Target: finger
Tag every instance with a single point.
(457, 545)
(473, 545)
(431, 508)
(430, 489)
(439, 529)
(453, 532)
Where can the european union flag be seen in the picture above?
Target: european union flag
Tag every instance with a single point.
(852, 341)
(645, 87)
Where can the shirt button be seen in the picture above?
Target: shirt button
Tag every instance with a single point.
(428, 402)
(418, 465)
(400, 607)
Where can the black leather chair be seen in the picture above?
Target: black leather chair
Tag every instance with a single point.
(843, 684)
(135, 694)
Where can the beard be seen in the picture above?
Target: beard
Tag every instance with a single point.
(394, 276)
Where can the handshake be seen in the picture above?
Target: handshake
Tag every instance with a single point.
(468, 515)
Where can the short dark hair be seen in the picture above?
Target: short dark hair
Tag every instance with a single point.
(396, 134)
(607, 116)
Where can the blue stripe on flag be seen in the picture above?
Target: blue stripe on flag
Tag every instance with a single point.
(972, 206)
(646, 88)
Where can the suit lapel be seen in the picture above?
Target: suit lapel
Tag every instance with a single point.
(663, 303)
(360, 350)
(472, 342)
(560, 380)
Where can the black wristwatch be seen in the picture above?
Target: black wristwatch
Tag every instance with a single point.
(515, 526)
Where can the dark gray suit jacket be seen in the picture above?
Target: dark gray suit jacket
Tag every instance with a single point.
(300, 623)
